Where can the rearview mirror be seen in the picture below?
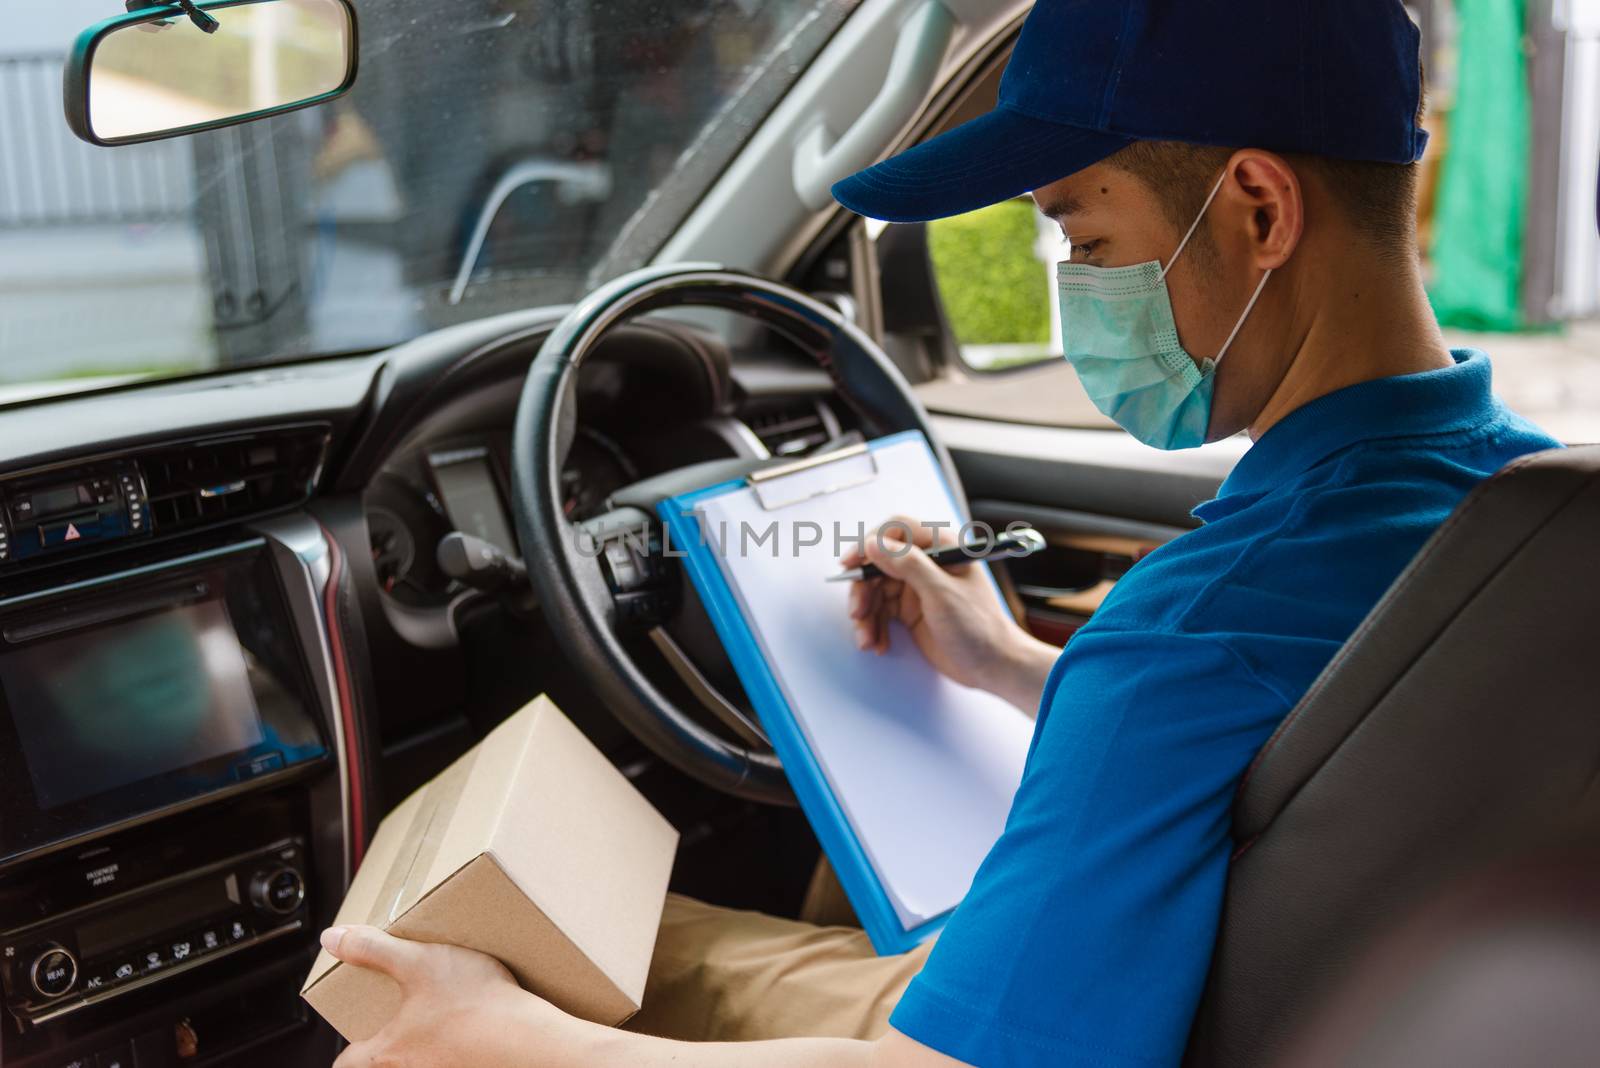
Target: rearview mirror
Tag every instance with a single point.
(178, 68)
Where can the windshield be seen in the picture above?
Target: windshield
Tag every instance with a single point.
(493, 155)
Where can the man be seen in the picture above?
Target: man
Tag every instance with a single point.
(1237, 182)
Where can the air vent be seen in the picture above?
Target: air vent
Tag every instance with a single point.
(790, 429)
(208, 482)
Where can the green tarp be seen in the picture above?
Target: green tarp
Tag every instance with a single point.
(1483, 187)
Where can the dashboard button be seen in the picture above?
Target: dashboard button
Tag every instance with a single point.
(122, 970)
(625, 570)
(209, 939)
(67, 530)
(53, 973)
(279, 891)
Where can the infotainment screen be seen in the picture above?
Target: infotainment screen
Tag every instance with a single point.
(106, 707)
(125, 696)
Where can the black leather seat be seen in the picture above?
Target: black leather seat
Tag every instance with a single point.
(1504, 969)
(1458, 726)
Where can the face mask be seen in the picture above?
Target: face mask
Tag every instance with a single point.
(1119, 335)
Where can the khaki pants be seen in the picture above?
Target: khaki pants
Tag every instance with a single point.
(720, 975)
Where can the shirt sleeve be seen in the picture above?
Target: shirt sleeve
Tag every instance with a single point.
(1087, 934)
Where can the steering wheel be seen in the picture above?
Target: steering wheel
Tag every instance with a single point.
(595, 592)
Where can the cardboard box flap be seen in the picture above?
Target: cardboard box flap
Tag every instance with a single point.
(397, 870)
(432, 833)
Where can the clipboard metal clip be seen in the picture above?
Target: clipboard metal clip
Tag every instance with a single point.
(813, 476)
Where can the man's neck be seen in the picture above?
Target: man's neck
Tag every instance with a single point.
(1376, 324)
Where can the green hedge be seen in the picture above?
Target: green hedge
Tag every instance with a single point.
(993, 287)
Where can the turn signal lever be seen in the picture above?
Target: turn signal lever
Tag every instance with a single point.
(474, 562)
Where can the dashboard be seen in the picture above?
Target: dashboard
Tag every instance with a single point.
(650, 402)
(227, 646)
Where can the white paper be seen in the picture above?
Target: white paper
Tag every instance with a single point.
(923, 768)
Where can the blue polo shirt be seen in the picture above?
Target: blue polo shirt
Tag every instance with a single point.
(1087, 934)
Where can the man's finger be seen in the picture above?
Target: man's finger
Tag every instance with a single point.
(923, 534)
(368, 947)
(864, 614)
(860, 600)
(901, 528)
(356, 1056)
(903, 561)
(882, 591)
(888, 613)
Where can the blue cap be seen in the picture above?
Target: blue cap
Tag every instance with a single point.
(1339, 78)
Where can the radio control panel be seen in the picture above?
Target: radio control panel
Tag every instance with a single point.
(86, 955)
(54, 511)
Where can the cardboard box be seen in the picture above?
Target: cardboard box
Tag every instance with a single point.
(531, 848)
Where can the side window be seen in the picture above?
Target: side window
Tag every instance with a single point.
(995, 272)
(993, 276)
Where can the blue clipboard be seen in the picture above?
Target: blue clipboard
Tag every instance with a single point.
(828, 820)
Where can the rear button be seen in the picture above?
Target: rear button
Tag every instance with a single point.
(53, 973)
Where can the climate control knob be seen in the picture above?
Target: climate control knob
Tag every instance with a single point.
(54, 972)
(278, 891)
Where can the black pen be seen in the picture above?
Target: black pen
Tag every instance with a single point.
(1017, 541)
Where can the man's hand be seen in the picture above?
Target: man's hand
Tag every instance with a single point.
(951, 615)
(459, 1008)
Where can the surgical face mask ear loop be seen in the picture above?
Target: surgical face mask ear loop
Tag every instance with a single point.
(1239, 323)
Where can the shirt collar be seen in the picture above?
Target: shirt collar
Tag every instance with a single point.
(1429, 402)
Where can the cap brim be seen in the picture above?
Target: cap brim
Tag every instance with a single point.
(995, 157)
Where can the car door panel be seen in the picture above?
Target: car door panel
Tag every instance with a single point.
(1102, 472)
(1055, 591)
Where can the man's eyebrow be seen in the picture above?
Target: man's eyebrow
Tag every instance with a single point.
(1061, 206)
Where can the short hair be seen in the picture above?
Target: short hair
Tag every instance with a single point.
(1378, 199)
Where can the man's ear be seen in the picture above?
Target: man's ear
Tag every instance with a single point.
(1267, 198)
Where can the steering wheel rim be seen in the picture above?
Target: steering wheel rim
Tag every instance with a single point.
(573, 593)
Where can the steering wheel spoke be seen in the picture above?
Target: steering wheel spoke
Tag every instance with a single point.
(628, 551)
